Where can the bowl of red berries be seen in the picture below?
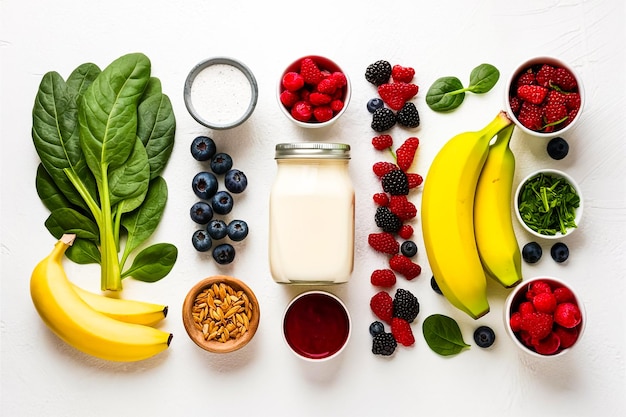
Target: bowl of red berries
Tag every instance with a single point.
(313, 92)
(544, 317)
(544, 97)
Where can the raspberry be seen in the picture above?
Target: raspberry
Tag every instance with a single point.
(402, 74)
(404, 266)
(292, 81)
(327, 86)
(340, 79)
(564, 79)
(383, 242)
(384, 344)
(526, 307)
(386, 220)
(538, 325)
(548, 345)
(554, 113)
(405, 153)
(556, 97)
(401, 331)
(322, 113)
(381, 199)
(402, 207)
(378, 73)
(383, 119)
(544, 302)
(567, 315)
(406, 231)
(564, 295)
(515, 104)
(385, 278)
(516, 321)
(382, 306)
(537, 287)
(530, 116)
(382, 168)
(408, 116)
(319, 99)
(545, 75)
(336, 105)
(567, 336)
(310, 71)
(289, 98)
(382, 142)
(572, 101)
(527, 78)
(415, 180)
(302, 111)
(534, 94)
(396, 94)
(395, 182)
(405, 305)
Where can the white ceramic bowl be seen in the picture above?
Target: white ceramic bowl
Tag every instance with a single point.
(556, 174)
(324, 64)
(535, 63)
(518, 294)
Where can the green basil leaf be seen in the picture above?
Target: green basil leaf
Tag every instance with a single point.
(153, 263)
(129, 182)
(156, 126)
(483, 78)
(443, 335)
(84, 252)
(68, 220)
(445, 94)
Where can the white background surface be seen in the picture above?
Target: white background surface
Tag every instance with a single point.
(42, 376)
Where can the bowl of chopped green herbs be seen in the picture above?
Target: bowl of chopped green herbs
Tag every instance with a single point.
(549, 204)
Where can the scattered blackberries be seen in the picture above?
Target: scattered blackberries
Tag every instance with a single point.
(383, 119)
(378, 73)
(405, 305)
(386, 220)
(384, 344)
(395, 182)
(408, 115)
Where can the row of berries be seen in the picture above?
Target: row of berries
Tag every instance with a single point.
(395, 88)
(214, 201)
(545, 98)
(313, 94)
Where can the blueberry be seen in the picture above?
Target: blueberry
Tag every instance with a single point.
(377, 328)
(201, 212)
(408, 248)
(203, 148)
(221, 163)
(435, 286)
(217, 229)
(235, 181)
(374, 104)
(204, 185)
(224, 253)
(531, 252)
(237, 230)
(201, 240)
(222, 202)
(559, 252)
(558, 148)
(484, 336)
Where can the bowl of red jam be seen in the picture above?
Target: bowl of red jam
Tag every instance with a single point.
(316, 326)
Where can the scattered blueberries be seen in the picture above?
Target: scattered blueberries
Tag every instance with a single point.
(559, 252)
(224, 253)
(408, 248)
(558, 148)
(201, 212)
(235, 181)
(531, 252)
(203, 148)
(374, 104)
(484, 336)
(377, 328)
(204, 185)
(201, 241)
(221, 163)
(222, 202)
(217, 229)
(237, 230)
(435, 286)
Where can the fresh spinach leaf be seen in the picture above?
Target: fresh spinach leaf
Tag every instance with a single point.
(83, 252)
(483, 78)
(128, 183)
(443, 335)
(445, 94)
(48, 192)
(156, 126)
(67, 220)
(153, 263)
(82, 77)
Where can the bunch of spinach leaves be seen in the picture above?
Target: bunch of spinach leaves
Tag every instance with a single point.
(448, 93)
(104, 138)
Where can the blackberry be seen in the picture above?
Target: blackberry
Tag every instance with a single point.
(377, 328)
(378, 73)
(405, 305)
(384, 344)
(383, 119)
(386, 220)
(395, 182)
(408, 115)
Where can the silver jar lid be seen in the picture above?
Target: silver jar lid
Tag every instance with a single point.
(310, 150)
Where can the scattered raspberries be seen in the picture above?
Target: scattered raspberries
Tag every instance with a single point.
(398, 312)
(545, 98)
(547, 319)
(312, 93)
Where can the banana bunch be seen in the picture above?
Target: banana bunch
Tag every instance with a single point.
(448, 221)
(107, 328)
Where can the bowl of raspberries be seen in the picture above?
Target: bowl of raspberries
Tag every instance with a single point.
(313, 92)
(544, 317)
(544, 97)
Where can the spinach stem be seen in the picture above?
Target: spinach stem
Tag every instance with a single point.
(110, 278)
(82, 190)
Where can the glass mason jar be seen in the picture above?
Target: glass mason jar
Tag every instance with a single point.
(311, 233)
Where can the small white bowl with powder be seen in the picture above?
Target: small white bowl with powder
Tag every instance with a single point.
(220, 93)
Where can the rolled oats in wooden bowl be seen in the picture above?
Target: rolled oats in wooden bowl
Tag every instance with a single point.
(221, 314)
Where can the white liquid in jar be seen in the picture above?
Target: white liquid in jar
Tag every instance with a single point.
(312, 222)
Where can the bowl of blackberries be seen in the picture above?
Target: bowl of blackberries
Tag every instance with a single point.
(216, 187)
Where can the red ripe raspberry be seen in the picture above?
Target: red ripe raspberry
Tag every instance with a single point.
(404, 266)
(385, 278)
(516, 321)
(406, 231)
(382, 168)
(289, 98)
(515, 103)
(323, 113)
(402, 74)
(564, 295)
(401, 331)
(415, 180)
(336, 105)
(544, 302)
(310, 71)
(537, 287)
(319, 99)
(381, 199)
(556, 97)
(548, 345)
(302, 111)
(538, 325)
(383, 242)
(402, 207)
(530, 116)
(406, 153)
(572, 101)
(545, 75)
(526, 307)
(554, 113)
(327, 86)
(567, 336)
(382, 306)
(527, 78)
(382, 142)
(567, 315)
(565, 79)
(339, 78)
(396, 94)
(293, 81)
(534, 94)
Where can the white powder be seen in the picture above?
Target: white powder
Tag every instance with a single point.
(221, 94)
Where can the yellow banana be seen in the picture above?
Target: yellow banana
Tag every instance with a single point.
(448, 218)
(129, 311)
(89, 331)
(493, 222)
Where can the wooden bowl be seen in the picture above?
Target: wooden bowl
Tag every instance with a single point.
(216, 321)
